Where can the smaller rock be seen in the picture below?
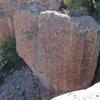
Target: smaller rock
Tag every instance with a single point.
(17, 87)
(37, 95)
(22, 93)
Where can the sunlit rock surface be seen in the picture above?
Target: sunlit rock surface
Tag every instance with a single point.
(68, 49)
(61, 50)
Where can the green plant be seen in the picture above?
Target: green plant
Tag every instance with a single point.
(29, 37)
(96, 12)
(78, 3)
(93, 6)
(96, 15)
(73, 3)
(9, 57)
(87, 3)
(97, 4)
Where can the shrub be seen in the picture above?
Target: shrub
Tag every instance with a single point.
(9, 57)
(96, 13)
(93, 6)
(73, 3)
(78, 3)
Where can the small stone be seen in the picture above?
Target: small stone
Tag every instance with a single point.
(37, 95)
(17, 87)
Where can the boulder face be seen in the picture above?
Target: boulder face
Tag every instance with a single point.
(7, 11)
(6, 24)
(61, 50)
(92, 93)
(68, 49)
(45, 4)
(49, 4)
(26, 26)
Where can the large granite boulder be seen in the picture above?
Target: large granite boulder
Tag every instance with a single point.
(91, 93)
(26, 26)
(61, 50)
(68, 49)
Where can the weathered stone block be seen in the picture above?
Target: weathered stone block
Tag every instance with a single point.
(26, 26)
(68, 49)
(61, 50)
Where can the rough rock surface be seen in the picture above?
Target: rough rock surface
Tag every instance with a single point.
(68, 49)
(4, 3)
(46, 4)
(8, 7)
(6, 28)
(61, 50)
(7, 11)
(92, 93)
(97, 72)
(26, 26)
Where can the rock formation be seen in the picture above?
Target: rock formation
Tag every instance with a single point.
(7, 11)
(5, 3)
(26, 26)
(6, 28)
(44, 4)
(68, 49)
(92, 93)
(61, 50)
